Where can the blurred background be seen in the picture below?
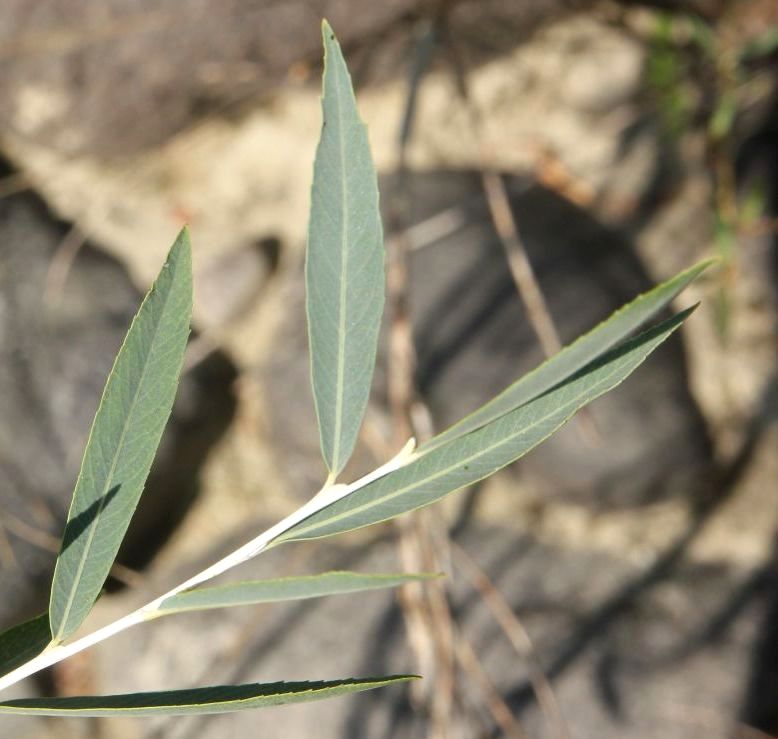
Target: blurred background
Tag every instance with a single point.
(540, 162)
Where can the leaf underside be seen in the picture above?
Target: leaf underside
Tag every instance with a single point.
(344, 265)
(573, 357)
(477, 455)
(283, 589)
(125, 434)
(217, 699)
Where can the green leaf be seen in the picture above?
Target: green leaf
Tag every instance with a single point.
(470, 458)
(24, 641)
(216, 699)
(126, 431)
(281, 589)
(344, 265)
(573, 357)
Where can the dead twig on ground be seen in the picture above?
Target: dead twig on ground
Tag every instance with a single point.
(498, 202)
(50, 543)
(7, 556)
(60, 264)
(426, 609)
(499, 709)
(512, 627)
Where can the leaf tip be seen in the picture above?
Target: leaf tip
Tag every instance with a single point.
(705, 264)
(422, 576)
(179, 257)
(402, 678)
(691, 309)
(326, 31)
(183, 242)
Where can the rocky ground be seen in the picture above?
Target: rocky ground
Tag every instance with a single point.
(640, 559)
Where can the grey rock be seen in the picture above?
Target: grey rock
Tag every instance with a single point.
(114, 79)
(56, 349)
(631, 650)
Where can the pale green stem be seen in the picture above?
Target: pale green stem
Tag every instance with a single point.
(328, 495)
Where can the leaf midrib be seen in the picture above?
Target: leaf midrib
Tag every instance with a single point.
(344, 240)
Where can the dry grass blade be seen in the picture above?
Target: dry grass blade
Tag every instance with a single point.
(499, 709)
(518, 637)
(60, 264)
(504, 222)
(7, 556)
(505, 225)
(520, 265)
(50, 543)
(426, 611)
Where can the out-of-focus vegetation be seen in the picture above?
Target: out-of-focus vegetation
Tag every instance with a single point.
(709, 75)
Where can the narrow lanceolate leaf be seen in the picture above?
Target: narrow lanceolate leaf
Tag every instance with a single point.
(126, 431)
(24, 641)
(470, 458)
(573, 357)
(286, 588)
(345, 265)
(217, 699)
